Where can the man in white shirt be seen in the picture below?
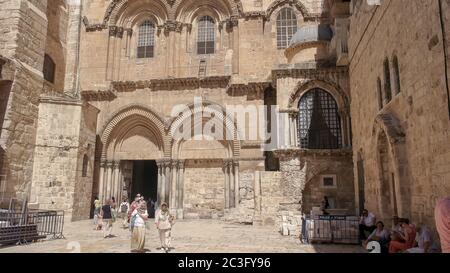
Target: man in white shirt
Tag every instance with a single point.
(366, 223)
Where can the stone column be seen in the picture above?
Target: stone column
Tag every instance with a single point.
(109, 179)
(168, 172)
(180, 188)
(116, 180)
(295, 123)
(236, 184)
(160, 179)
(101, 181)
(235, 25)
(173, 186)
(232, 184)
(226, 171)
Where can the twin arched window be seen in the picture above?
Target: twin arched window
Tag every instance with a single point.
(286, 27)
(146, 40)
(319, 123)
(205, 40)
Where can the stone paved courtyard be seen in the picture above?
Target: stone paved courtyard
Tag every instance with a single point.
(193, 236)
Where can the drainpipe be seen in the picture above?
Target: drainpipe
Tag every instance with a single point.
(444, 43)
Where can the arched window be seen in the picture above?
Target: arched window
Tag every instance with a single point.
(146, 40)
(286, 27)
(380, 94)
(206, 36)
(387, 81)
(319, 121)
(84, 170)
(396, 75)
(49, 69)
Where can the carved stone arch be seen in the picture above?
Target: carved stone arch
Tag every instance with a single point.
(116, 8)
(135, 110)
(218, 115)
(293, 3)
(338, 94)
(391, 126)
(186, 11)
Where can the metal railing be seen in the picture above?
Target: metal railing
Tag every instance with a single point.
(330, 229)
(31, 225)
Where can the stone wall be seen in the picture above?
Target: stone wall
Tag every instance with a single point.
(204, 189)
(415, 124)
(60, 147)
(23, 25)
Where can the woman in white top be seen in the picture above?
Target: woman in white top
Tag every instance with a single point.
(380, 235)
(164, 222)
(137, 221)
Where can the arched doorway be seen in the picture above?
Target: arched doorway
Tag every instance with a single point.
(132, 143)
(387, 187)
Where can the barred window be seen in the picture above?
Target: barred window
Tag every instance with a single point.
(146, 40)
(319, 121)
(206, 36)
(286, 27)
(49, 69)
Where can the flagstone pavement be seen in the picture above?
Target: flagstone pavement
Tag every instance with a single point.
(188, 236)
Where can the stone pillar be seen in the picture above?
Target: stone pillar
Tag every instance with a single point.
(180, 189)
(168, 169)
(109, 179)
(173, 186)
(160, 187)
(101, 181)
(116, 181)
(295, 123)
(236, 184)
(235, 25)
(226, 171)
(232, 184)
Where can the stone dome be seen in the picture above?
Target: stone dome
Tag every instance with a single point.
(312, 33)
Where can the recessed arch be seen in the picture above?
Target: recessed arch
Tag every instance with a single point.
(281, 3)
(338, 94)
(135, 115)
(217, 114)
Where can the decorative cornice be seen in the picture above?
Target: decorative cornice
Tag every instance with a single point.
(172, 84)
(307, 70)
(298, 152)
(100, 95)
(93, 27)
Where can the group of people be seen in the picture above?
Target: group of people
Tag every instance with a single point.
(402, 237)
(135, 217)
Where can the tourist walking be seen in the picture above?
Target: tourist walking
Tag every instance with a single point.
(97, 208)
(107, 216)
(164, 222)
(137, 226)
(124, 208)
(442, 218)
(133, 205)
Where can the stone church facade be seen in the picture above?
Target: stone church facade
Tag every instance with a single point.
(89, 88)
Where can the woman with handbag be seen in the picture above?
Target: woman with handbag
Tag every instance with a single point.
(164, 222)
(137, 225)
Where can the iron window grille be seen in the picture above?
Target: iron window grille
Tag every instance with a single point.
(146, 40)
(286, 27)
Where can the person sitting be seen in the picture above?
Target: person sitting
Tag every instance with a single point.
(424, 241)
(406, 239)
(396, 229)
(366, 223)
(380, 235)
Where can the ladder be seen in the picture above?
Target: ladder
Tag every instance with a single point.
(202, 69)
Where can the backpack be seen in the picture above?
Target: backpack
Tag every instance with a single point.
(124, 208)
